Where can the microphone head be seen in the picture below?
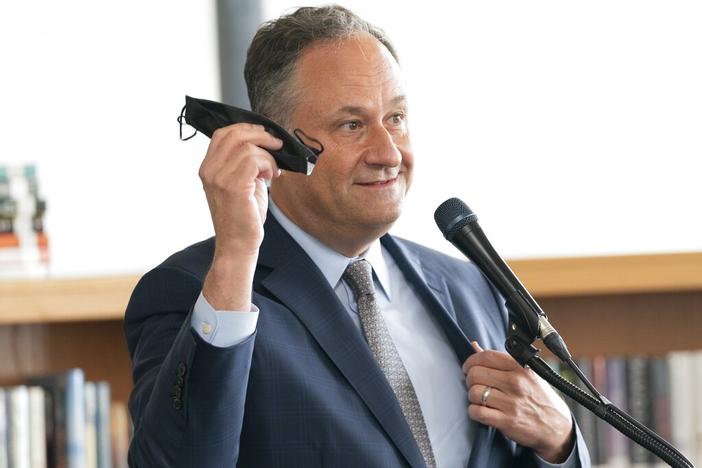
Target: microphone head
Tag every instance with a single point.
(452, 215)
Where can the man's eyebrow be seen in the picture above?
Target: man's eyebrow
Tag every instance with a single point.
(358, 110)
(401, 99)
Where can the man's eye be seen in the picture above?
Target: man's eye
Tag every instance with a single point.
(351, 125)
(397, 118)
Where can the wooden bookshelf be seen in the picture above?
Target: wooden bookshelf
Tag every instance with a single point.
(55, 324)
(585, 276)
(65, 300)
(646, 304)
(105, 298)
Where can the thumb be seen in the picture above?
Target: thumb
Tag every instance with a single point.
(476, 346)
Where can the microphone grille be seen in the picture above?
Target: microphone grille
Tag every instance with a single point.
(452, 215)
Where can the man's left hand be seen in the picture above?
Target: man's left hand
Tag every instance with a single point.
(520, 404)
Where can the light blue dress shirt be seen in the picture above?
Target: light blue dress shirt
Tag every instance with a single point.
(419, 340)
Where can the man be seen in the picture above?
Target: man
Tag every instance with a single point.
(302, 334)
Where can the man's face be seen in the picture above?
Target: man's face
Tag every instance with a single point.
(353, 101)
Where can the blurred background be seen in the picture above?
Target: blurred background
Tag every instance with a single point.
(569, 128)
(573, 130)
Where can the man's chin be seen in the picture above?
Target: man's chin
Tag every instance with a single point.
(382, 219)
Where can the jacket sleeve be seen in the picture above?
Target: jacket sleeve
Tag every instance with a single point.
(187, 405)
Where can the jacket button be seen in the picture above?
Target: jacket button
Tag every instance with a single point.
(181, 369)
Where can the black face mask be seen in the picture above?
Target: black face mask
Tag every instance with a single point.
(207, 116)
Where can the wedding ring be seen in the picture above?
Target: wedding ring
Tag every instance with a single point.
(485, 395)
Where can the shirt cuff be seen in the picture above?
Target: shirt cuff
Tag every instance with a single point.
(573, 461)
(222, 328)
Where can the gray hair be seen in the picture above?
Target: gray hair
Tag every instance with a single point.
(279, 43)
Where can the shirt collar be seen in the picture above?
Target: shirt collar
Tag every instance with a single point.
(331, 263)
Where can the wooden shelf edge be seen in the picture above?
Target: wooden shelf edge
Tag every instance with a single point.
(65, 300)
(622, 274)
(105, 298)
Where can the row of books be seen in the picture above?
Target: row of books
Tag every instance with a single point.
(660, 392)
(60, 420)
(24, 247)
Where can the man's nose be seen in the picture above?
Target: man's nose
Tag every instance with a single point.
(382, 150)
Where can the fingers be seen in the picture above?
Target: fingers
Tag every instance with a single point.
(495, 399)
(495, 369)
(518, 404)
(488, 416)
(493, 359)
(250, 162)
(242, 147)
(253, 133)
(511, 383)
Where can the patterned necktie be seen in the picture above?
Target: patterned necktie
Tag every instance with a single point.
(359, 276)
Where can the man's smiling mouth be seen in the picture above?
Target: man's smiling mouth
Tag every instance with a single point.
(378, 183)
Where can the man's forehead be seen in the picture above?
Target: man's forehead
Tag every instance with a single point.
(351, 73)
(397, 101)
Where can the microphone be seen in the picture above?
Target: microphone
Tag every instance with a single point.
(460, 226)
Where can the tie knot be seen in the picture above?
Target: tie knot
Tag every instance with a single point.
(359, 275)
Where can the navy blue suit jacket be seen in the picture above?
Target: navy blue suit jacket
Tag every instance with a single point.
(304, 390)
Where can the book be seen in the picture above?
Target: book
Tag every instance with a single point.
(640, 405)
(65, 409)
(616, 392)
(90, 425)
(37, 427)
(697, 404)
(18, 433)
(682, 398)
(660, 401)
(102, 424)
(3, 429)
(586, 418)
(599, 380)
(120, 434)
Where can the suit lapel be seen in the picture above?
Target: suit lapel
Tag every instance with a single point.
(431, 287)
(297, 283)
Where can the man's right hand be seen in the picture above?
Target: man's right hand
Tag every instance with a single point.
(233, 174)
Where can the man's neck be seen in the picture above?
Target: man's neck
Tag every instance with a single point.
(348, 240)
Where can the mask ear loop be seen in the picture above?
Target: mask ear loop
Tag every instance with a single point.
(181, 121)
(317, 151)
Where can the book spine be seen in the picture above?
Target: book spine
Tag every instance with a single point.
(90, 426)
(660, 400)
(65, 410)
(599, 380)
(682, 396)
(586, 419)
(18, 439)
(37, 427)
(120, 433)
(618, 444)
(3, 429)
(104, 446)
(640, 407)
(75, 419)
(697, 377)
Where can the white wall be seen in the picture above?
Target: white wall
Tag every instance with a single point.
(570, 128)
(91, 91)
